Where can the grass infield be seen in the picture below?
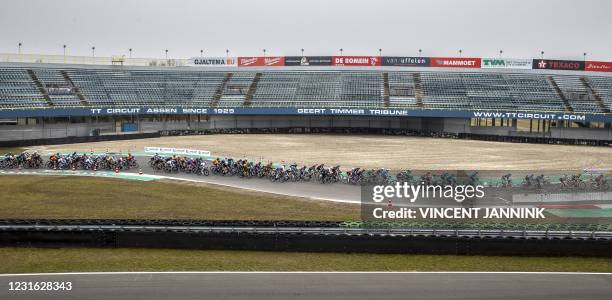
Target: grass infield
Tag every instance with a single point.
(50, 197)
(28, 260)
(14, 150)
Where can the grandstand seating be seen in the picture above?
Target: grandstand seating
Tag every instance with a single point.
(50, 78)
(235, 90)
(402, 90)
(17, 90)
(28, 87)
(603, 88)
(576, 93)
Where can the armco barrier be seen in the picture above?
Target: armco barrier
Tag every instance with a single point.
(533, 140)
(306, 242)
(172, 222)
(306, 130)
(57, 239)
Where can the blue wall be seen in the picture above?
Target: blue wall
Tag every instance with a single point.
(435, 113)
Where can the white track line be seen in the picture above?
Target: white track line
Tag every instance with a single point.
(304, 272)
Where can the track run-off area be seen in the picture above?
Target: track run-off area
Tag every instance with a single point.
(370, 151)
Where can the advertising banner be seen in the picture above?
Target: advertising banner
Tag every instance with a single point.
(506, 63)
(572, 65)
(382, 112)
(356, 61)
(272, 61)
(598, 66)
(176, 151)
(213, 62)
(308, 61)
(405, 61)
(250, 61)
(455, 62)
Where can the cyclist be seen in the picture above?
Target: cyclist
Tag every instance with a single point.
(539, 180)
(474, 179)
(529, 180)
(506, 180)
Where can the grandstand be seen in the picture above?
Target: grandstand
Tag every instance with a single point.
(573, 103)
(32, 87)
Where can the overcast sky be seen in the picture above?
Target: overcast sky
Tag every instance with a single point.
(564, 29)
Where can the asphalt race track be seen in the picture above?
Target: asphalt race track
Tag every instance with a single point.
(338, 192)
(331, 192)
(319, 286)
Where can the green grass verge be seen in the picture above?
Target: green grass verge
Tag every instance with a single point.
(28, 260)
(14, 150)
(51, 197)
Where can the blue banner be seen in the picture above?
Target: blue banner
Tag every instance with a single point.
(375, 112)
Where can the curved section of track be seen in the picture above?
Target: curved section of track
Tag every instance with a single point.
(337, 192)
(328, 192)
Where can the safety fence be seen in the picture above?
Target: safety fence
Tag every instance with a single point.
(312, 239)
(395, 132)
(375, 225)
(307, 130)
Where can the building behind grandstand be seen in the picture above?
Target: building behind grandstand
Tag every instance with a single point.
(47, 97)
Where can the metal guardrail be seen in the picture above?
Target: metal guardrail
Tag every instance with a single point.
(400, 232)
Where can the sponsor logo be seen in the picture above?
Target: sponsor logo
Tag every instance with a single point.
(493, 63)
(542, 64)
(454, 62)
(247, 61)
(274, 61)
(176, 151)
(598, 66)
(356, 61)
(558, 64)
(506, 63)
(406, 61)
(565, 65)
(307, 60)
(214, 61)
